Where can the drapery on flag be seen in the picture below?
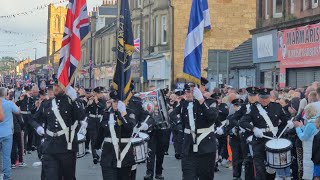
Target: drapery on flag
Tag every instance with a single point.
(76, 28)
(125, 48)
(199, 21)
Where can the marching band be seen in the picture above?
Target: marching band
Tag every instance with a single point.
(120, 135)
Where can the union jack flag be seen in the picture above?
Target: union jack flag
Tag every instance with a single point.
(76, 28)
(136, 44)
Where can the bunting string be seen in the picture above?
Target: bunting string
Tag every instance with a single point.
(40, 7)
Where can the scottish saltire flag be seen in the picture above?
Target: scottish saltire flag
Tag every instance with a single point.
(137, 45)
(125, 49)
(199, 21)
(76, 28)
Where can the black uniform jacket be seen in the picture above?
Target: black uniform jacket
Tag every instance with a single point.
(275, 113)
(70, 112)
(123, 130)
(27, 104)
(204, 118)
(95, 109)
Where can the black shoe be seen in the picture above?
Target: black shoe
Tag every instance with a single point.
(29, 152)
(159, 176)
(216, 169)
(166, 153)
(95, 161)
(148, 177)
(178, 156)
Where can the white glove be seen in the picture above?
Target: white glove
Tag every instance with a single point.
(234, 131)
(144, 127)
(40, 130)
(122, 107)
(197, 94)
(242, 130)
(84, 124)
(290, 124)
(71, 92)
(219, 131)
(257, 132)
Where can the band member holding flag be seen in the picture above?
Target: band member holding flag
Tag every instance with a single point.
(61, 118)
(116, 128)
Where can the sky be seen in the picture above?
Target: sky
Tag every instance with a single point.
(33, 26)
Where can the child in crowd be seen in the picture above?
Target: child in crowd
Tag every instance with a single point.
(316, 152)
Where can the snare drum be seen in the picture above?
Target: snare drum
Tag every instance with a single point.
(249, 142)
(279, 153)
(81, 145)
(140, 147)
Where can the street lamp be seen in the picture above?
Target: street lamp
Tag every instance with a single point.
(35, 53)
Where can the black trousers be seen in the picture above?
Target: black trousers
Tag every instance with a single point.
(17, 151)
(29, 131)
(112, 173)
(237, 155)
(92, 135)
(59, 166)
(167, 135)
(198, 167)
(177, 137)
(156, 148)
(259, 156)
(223, 147)
(247, 159)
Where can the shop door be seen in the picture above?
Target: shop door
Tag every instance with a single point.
(292, 78)
(304, 77)
(317, 75)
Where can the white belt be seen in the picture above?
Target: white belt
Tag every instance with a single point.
(200, 131)
(95, 116)
(62, 132)
(25, 112)
(264, 130)
(204, 132)
(123, 140)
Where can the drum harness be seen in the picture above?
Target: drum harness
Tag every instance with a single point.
(265, 116)
(204, 132)
(69, 132)
(115, 141)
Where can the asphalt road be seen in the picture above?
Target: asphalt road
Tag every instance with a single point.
(86, 170)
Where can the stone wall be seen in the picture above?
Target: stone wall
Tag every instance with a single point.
(231, 21)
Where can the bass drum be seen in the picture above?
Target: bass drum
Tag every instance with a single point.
(154, 103)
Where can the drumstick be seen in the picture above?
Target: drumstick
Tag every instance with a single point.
(267, 137)
(283, 131)
(147, 118)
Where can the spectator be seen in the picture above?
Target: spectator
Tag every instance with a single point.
(6, 132)
(306, 134)
(315, 152)
(17, 151)
(1, 111)
(304, 101)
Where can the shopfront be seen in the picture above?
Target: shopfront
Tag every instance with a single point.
(265, 58)
(299, 55)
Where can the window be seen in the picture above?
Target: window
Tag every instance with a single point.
(156, 31)
(292, 6)
(164, 30)
(277, 8)
(138, 31)
(314, 3)
(305, 4)
(146, 34)
(137, 3)
(104, 46)
(266, 9)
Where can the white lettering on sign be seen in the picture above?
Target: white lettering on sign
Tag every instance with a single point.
(265, 46)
